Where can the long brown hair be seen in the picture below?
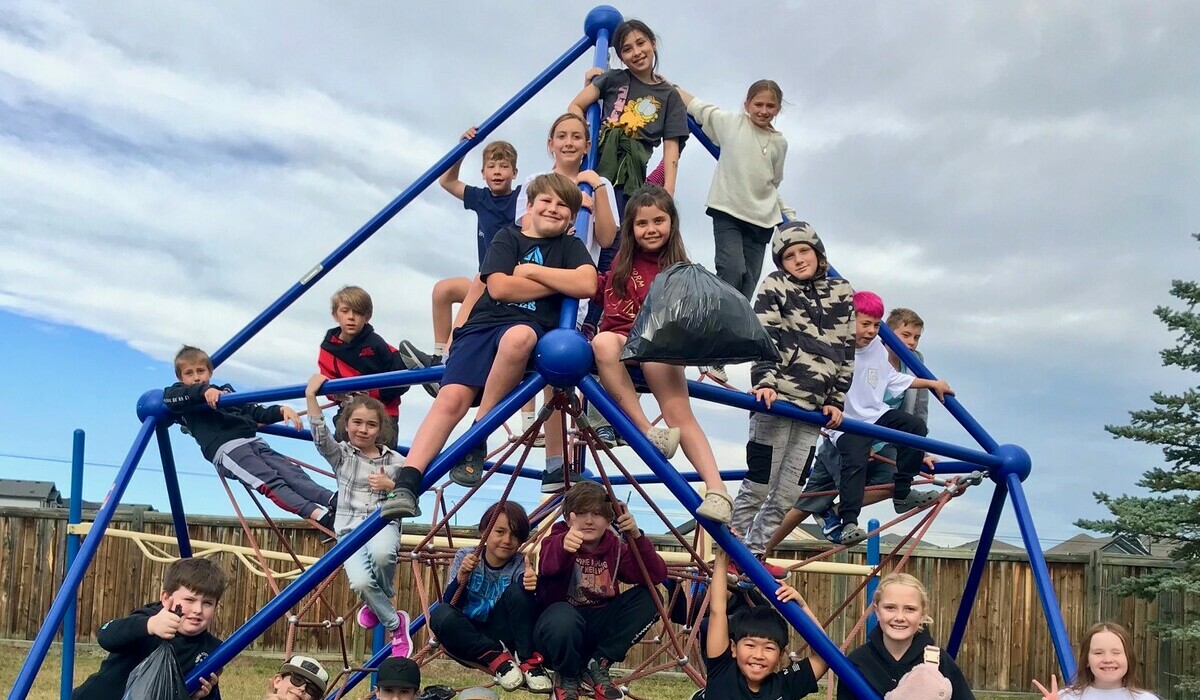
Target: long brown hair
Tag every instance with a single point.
(671, 253)
(1083, 673)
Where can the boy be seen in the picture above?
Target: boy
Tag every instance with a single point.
(190, 592)
(810, 318)
(399, 678)
(353, 348)
(908, 327)
(495, 207)
(528, 271)
(874, 376)
(228, 437)
(742, 652)
(587, 626)
(299, 678)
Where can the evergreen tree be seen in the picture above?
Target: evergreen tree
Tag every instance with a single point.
(1171, 514)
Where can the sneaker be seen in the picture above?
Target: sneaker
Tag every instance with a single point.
(552, 481)
(716, 372)
(831, 522)
(326, 521)
(401, 642)
(536, 678)
(717, 506)
(607, 435)
(777, 572)
(665, 440)
(415, 359)
(469, 471)
(367, 619)
(507, 674)
(565, 688)
(400, 503)
(914, 499)
(602, 683)
(849, 534)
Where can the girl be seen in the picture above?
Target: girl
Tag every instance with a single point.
(366, 471)
(493, 615)
(650, 242)
(744, 200)
(1107, 668)
(901, 643)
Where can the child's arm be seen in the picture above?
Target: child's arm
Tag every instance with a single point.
(767, 307)
(603, 206)
(670, 164)
(326, 445)
(717, 642)
(274, 414)
(629, 571)
(449, 179)
(558, 551)
(514, 289)
(844, 310)
(937, 386)
(181, 397)
(786, 593)
(589, 94)
(685, 96)
(579, 283)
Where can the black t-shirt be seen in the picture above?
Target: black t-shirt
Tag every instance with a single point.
(725, 682)
(510, 248)
(647, 113)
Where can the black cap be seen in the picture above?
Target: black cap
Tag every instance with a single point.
(399, 672)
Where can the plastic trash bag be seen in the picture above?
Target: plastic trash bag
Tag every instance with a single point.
(157, 678)
(692, 317)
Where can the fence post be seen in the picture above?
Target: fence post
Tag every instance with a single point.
(74, 516)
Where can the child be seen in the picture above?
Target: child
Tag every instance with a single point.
(901, 643)
(353, 348)
(744, 200)
(908, 327)
(397, 679)
(1107, 668)
(228, 437)
(873, 377)
(652, 242)
(493, 615)
(810, 317)
(299, 678)
(366, 470)
(743, 652)
(528, 271)
(587, 625)
(185, 608)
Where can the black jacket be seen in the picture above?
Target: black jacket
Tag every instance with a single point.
(883, 672)
(128, 644)
(211, 427)
(365, 353)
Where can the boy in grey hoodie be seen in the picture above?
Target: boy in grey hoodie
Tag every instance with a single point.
(810, 317)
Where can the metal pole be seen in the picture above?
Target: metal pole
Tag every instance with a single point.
(171, 477)
(66, 593)
(74, 516)
(975, 574)
(872, 560)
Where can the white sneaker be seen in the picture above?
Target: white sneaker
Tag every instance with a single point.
(717, 372)
(665, 440)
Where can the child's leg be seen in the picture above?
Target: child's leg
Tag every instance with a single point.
(777, 455)
(559, 634)
(371, 572)
(754, 246)
(513, 618)
(908, 459)
(853, 451)
(614, 630)
(461, 638)
(293, 475)
(247, 465)
(475, 291)
(446, 293)
(451, 404)
(881, 474)
(669, 387)
(791, 521)
(730, 259)
(508, 367)
(615, 378)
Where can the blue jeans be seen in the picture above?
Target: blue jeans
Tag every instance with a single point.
(372, 574)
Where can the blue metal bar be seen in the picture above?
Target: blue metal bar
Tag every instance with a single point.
(975, 574)
(698, 132)
(404, 377)
(66, 592)
(74, 517)
(749, 564)
(173, 495)
(872, 560)
(1041, 577)
(407, 196)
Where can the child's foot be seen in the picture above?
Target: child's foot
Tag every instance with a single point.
(553, 480)
(914, 499)
(607, 435)
(401, 642)
(849, 534)
(665, 440)
(565, 688)
(367, 619)
(716, 372)
(536, 678)
(777, 572)
(507, 674)
(602, 683)
(326, 520)
(717, 506)
(400, 503)
(831, 522)
(415, 359)
(469, 471)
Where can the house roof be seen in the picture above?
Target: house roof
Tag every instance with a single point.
(22, 488)
(997, 546)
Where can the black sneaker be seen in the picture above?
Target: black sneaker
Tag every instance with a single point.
(400, 503)
(415, 359)
(607, 435)
(553, 481)
(566, 688)
(469, 471)
(326, 521)
(602, 683)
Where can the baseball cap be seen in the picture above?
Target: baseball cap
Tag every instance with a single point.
(399, 672)
(307, 668)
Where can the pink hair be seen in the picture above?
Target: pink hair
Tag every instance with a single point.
(868, 304)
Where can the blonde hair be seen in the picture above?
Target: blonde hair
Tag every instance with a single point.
(191, 355)
(901, 316)
(500, 150)
(356, 298)
(899, 579)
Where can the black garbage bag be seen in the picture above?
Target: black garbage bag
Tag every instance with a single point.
(157, 678)
(692, 317)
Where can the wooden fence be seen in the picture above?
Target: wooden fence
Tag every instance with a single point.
(1007, 641)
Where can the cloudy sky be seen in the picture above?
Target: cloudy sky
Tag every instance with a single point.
(1023, 174)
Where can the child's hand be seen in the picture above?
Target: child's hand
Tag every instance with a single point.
(767, 395)
(380, 482)
(589, 178)
(587, 202)
(206, 687)
(591, 74)
(468, 565)
(315, 383)
(626, 524)
(930, 463)
(941, 388)
(529, 580)
(290, 416)
(470, 133)
(164, 625)
(1052, 692)
(211, 395)
(834, 413)
(573, 540)
(786, 593)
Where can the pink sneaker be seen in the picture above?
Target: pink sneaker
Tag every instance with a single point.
(401, 642)
(367, 619)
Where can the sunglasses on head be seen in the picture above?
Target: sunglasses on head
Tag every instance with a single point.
(301, 682)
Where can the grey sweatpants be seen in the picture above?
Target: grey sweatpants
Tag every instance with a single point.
(778, 456)
(255, 464)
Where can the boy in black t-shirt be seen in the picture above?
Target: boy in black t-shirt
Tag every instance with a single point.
(742, 652)
(527, 271)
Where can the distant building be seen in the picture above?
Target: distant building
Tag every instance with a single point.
(998, 546)
(1121, 544)
(19, 493)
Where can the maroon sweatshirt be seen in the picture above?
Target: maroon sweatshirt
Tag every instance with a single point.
(619, 312)
(591, 577)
